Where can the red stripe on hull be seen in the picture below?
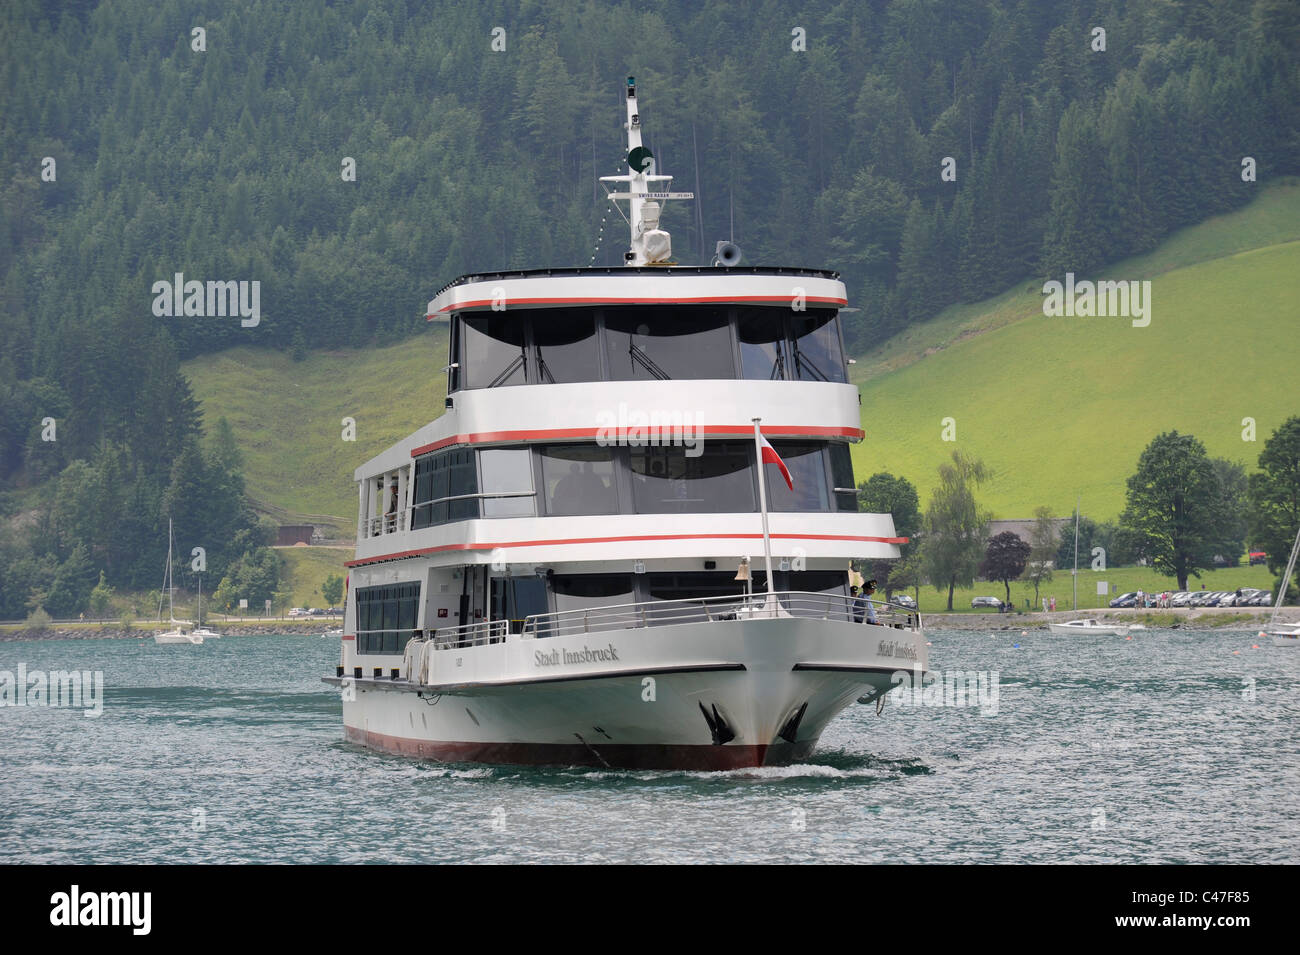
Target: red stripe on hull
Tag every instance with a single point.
(619, 756)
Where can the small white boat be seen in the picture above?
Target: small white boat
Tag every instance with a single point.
(336, 633)
(1087, 625)
(1283, 635)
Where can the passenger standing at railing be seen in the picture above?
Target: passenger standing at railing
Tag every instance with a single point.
(869, 589)
(859, 604)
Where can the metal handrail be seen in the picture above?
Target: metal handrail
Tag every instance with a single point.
(469, 635)
(645, 614)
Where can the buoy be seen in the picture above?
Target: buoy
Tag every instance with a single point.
(1128, 638)
(1254, 646)
(1235, 652)
(1024, 633)
(1015, 646)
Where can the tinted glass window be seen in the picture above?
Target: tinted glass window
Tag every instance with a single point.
(462, 481)
(807, 473)
(564, 346)
(817, 354)
(660, 343)
(507, 471)
(386, 617)
(492, 350)
(762, 343)
(668, 481)
(842, 477)
(592, 590)
(579, 479)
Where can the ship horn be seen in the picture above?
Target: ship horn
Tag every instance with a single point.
(791, 728)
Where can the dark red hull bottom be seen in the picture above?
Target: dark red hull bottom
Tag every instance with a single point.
(620, 756)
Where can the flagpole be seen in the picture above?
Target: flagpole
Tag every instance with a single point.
(762, 502)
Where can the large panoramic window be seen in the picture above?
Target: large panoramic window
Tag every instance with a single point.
(507, 472)
(762, 343)
(807, 474)
(492, 350)
(564, 346)
(587, 591)
(579, 479)
(446, 488)
(666, 480)
(386, 617)
(817, 352)
(662, 342)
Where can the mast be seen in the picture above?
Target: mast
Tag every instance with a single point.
(1075, 576)
(1286, 579)
(171, 612)
(762, 502)
(649, 244)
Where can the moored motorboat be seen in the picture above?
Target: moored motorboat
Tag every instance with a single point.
(1088, 625)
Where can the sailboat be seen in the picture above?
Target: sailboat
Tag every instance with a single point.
(205, 633)
(177, 633)
(1282, 635)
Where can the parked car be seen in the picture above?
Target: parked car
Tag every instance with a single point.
(994, 602)
(1262, 599)
(905, 600)
(298, 612)
(1125, 600)
(1258, 557)
(1182, 598)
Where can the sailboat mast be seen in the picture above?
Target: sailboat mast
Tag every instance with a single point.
(171, 611)
(1286, 579)
(1075, 576)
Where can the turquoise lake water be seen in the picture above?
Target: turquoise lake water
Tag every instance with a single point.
(1169, 747)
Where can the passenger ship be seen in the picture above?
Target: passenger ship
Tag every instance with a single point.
(574, 563)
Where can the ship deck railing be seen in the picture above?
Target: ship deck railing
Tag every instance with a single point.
(660, 613)
(760, 605)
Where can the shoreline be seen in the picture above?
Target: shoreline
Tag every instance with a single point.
(1174, 618)
(138, 633)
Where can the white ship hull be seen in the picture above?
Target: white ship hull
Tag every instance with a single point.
(714, 695)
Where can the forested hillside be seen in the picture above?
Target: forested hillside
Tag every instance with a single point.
(134, 148)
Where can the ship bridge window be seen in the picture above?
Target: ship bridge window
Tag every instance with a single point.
(646, 343)
(817, 352)
(493, 350)
(386, 617)
(579, 479)
(666, 480)
(564, 346)
(807, 473)
(446, 488)
(762, 343)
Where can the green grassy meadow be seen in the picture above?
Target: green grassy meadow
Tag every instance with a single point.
(1060, 407)
(287, 416)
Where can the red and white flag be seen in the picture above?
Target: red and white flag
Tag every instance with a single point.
(771, 457)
